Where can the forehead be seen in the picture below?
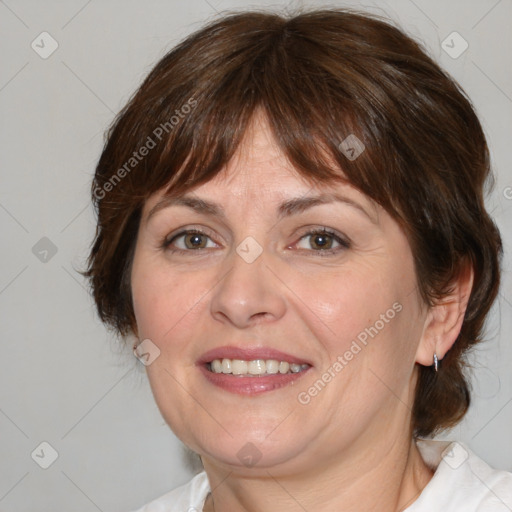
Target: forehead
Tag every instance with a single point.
(260, 176)
(258, 167)
(259, 162)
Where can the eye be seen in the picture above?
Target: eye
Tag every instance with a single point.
(188, 240)
(323, 241)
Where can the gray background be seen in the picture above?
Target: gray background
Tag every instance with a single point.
(64, 379)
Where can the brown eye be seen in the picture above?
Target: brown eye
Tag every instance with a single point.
(195, 241)
(323, 242)
(189, 240)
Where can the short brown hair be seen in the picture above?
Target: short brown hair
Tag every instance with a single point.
(319, 76)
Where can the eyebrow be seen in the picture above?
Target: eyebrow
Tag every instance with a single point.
(285, 209)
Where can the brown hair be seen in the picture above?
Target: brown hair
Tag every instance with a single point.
(319, 76)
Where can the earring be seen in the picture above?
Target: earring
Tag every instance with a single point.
(436, 362)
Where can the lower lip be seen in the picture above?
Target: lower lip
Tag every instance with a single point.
(242, 385)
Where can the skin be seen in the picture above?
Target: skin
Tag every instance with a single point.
(350, 448)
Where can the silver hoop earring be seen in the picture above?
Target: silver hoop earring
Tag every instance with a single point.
(436, 362)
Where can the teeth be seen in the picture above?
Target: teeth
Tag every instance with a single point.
(272, 366)
(255, 367)
(217, 366)
(284, 367)
(295, 368)
(226, 366)
(238, 367)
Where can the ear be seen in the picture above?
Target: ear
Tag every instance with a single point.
(444, 320)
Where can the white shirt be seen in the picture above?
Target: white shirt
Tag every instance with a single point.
(462, 482)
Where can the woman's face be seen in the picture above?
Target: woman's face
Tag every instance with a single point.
(258, 284)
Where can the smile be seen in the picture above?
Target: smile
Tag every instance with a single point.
(251, 370)
(255, 367)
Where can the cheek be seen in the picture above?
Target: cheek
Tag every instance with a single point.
(347, 301)
(372, 336)
(369, 310)
(171, 307)
(156, 297)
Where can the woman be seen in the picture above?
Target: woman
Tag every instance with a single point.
(291, 222)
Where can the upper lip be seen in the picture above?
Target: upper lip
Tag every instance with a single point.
(249, 354)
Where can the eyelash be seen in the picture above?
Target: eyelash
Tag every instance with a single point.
(344, 244)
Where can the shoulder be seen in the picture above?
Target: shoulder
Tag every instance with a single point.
(462, 481)
(186, 498)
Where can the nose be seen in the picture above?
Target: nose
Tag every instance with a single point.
(248, 294)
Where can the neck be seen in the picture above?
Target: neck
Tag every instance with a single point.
(388, 480)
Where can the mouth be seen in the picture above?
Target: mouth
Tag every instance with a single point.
(251, 371)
